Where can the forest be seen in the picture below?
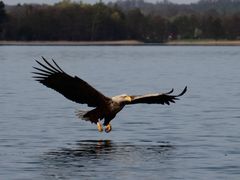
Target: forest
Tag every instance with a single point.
(122, 20)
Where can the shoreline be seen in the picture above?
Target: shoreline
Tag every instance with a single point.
(70, 43)
(123, 43)
(204, 42)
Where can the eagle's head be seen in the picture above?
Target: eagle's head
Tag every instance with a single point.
(122, 99)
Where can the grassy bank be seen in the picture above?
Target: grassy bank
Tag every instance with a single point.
(206, 42)
(71, 43)
(124, 42)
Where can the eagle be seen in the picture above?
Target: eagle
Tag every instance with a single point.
(74, 88)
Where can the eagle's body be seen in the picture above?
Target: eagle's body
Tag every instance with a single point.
(80, 91)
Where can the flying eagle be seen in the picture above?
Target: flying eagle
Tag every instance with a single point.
(79, 91)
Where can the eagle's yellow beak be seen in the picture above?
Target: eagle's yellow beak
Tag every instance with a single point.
(128, 98)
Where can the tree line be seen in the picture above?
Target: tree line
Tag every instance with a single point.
(77, 21)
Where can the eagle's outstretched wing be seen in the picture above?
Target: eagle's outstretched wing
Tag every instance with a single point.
(161, 98)
(73, 88)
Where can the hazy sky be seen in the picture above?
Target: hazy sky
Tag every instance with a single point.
(86, 1)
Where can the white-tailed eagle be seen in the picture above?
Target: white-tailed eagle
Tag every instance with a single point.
(79, 91)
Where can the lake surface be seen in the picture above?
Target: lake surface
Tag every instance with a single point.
(196, 138)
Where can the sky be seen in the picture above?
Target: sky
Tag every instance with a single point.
(12, 2)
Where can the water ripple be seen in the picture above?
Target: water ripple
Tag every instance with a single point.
(91, 156)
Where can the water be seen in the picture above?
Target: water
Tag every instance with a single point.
(196, 138)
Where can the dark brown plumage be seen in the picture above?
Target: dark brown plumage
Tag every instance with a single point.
(161, 98)
(79, 91)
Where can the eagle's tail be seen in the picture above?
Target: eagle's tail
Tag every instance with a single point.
(80, 114)
(91, 116)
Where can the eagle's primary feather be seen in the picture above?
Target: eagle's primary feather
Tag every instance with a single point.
(72, 88)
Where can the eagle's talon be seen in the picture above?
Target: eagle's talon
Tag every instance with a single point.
(99, 126)
(108, 128)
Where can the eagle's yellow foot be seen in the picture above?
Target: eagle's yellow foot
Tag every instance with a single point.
(108, 128)
(99, 126)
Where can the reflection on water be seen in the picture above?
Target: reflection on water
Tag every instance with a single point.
(90, 157)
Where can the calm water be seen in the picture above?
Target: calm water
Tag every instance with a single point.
(196, 138)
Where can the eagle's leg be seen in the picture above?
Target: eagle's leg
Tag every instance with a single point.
(99, 126)
(108, 128)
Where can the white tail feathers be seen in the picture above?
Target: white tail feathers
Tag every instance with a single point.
(91, 115)
(81, 114)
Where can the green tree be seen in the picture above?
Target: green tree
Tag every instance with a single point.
(3, 15)
(232, 26)
(136, 22)
(3, 18)
(212, 27)
(185, 26)
(156, 29)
